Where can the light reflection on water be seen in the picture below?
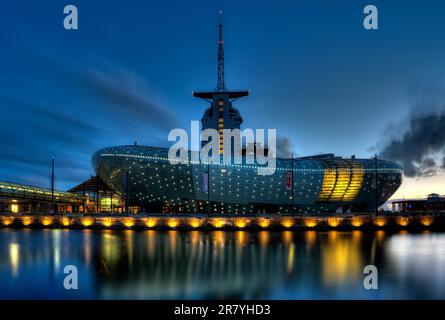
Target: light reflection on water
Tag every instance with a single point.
(219, 264)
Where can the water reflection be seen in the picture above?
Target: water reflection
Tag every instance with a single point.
(219, 264)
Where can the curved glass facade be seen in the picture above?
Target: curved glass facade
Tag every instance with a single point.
(306, 186)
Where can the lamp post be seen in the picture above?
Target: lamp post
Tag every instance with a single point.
(52, 185)
(375, 186)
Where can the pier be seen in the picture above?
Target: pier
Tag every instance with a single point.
(142, 221)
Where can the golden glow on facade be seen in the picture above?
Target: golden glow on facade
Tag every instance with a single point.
(329, 178)
(334, 222)
(341, 184)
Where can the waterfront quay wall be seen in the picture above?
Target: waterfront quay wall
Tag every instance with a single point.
(224, 222)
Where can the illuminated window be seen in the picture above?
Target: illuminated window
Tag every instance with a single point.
(14, 208)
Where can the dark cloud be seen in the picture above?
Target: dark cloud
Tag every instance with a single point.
(284, 147)
(419, 144)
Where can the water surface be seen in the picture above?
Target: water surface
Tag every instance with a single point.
(220, 264)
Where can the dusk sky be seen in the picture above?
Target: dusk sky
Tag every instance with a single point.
(315, 74)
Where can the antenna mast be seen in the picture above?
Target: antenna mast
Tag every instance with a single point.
(220, 87)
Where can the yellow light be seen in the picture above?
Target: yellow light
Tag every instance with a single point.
(357, 222)
(219, 237)
(402, 221)
(264, 223)
(380, 221)
(334, 222)
(129, 222)
(14, 257)
(65, 221)
(46, 221)
(287, 237)
(218, 223)
(107, 222)
(264, 237)
(241, 238)
(241, 222)
(311, 237)
(329, 179)
(342, 183)
(310, 222)
(287, 222)
(173, 223)
(150, 222)
(14, 208)
(355, 183)
(87, 221)
(7, 221)
(26, 221)
(426, 221)
(195, 223)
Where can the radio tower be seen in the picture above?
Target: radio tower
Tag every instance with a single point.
(220, 86)
(221, 114)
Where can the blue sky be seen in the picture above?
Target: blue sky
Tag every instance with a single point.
(315, 74)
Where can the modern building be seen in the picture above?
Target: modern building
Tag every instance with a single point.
(23, 198)
(317, 184)
(98, 197)
(434, 203)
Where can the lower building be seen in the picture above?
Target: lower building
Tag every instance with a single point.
(433, 203)
(322, 184)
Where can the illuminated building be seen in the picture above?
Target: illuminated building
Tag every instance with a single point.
(98, 196)
(318, 184)
(23, 198)
(433, 203)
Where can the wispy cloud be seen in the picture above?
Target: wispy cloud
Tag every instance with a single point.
(104, 105)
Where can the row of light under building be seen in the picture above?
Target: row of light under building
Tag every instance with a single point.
(215, 223)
